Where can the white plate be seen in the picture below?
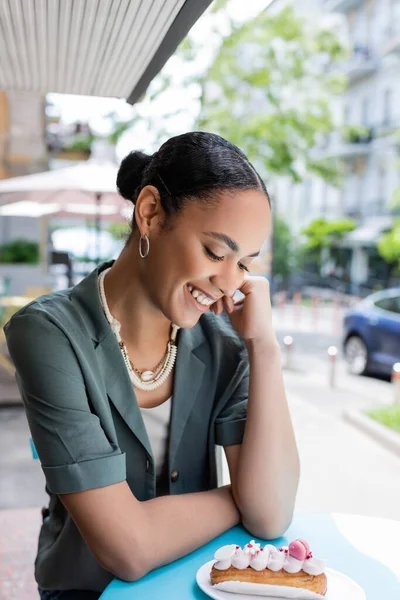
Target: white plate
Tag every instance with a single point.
(340, 587)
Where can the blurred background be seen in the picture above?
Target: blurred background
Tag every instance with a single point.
(310, 91)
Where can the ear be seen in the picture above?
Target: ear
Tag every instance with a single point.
(148, 210)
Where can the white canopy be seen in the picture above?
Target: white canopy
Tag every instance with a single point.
(90, 176)
(96, 47)
(85, 189)
(367, 234)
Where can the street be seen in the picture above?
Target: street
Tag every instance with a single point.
(342, 469)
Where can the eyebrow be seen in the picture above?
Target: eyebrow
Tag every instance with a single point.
(225, 239)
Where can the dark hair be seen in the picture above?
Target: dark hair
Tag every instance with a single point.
(191, 166)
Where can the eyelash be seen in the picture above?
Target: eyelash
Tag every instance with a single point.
(213, 256)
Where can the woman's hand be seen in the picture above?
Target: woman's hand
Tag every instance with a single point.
(251, 317)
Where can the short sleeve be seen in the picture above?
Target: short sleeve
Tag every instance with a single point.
(75, 453)
(230, 423)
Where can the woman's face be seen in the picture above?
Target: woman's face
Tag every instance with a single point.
(208, 250)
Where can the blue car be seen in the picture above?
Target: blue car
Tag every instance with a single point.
(371, 340)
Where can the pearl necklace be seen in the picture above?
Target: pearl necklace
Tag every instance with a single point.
(145, 380)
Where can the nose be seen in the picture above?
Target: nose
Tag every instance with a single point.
(229, 293)
(228, 280)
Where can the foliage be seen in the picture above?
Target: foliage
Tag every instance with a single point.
(119, 230)
(395, 201)
(119, 128)
(395, 205)
(282, 255)
(388, 416)
(355, 134)
(81, 143)
(269, 91)
(20, 251)
(389, 245)
(321, 234)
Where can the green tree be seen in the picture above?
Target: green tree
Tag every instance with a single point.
(119, 230)
(269, 90)
(282, 255)
(389, 248)
(321, 234)
(118, 127)
(20, 251)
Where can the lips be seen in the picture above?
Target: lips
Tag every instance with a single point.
(196, 304)
(204, 293)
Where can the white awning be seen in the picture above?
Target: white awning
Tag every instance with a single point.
(91, 47)
(87, 189)
(367, 234)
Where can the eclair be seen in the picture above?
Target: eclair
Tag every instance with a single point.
(247, 570)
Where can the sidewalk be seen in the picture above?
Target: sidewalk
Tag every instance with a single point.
(342, 470)
(351, 392)
(19, 530)
(9, 393)
(325, 318)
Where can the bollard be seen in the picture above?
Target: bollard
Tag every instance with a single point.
(297, 306)
(396, 382)
(336, 315)
(332, 354)
(288, 342)
(314, 312)
(282, 300)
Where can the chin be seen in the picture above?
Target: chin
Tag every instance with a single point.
(183, 313)
(186, 323)
(183, 317)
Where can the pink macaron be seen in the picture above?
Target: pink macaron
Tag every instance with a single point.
(306, 546)
(298, 550)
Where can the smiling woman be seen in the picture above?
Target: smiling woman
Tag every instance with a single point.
(132, 377)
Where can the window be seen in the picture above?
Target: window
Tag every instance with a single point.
(346, 114)
(393, 16)
(390, 304)
(387, 107)
(365, 112)
(382, 194)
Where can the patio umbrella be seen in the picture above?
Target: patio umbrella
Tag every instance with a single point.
(80, 241)
(87, 189)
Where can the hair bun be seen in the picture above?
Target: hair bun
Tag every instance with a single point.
(130, 174)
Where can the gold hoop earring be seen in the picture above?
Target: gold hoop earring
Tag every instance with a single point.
(146, 252)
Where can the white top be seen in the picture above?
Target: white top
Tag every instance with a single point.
(156, 421)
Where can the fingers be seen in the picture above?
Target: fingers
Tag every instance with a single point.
(229, 304)
(226, 303)
(238, 305)
(218, 307)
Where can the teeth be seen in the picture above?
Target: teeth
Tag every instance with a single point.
(204, 300)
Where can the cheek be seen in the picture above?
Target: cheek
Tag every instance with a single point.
(176, 262)
(188, 261)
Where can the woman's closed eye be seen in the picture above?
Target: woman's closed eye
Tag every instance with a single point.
(213, 256)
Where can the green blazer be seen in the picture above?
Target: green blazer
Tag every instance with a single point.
(87, 425)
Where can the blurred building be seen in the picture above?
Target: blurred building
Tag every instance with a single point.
(22, 133)
(97, 48)
(370, 158)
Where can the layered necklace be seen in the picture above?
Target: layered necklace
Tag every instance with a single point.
(143, 380)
